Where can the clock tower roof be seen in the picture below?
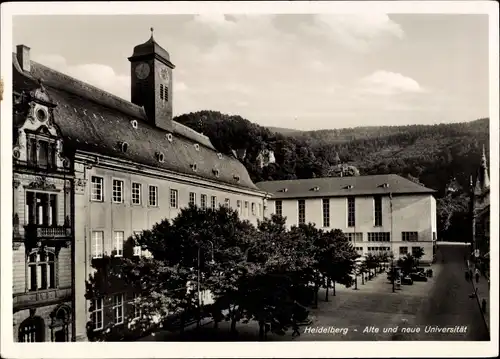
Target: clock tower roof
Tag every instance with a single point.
(151, 48)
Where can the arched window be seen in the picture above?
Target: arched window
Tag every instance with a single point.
(32, 330)
(61, 319)
(41, 270)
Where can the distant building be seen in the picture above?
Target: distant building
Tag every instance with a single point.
(378, 213)
(480, 213)
(116, 169)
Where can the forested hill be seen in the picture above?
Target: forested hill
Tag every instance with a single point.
(431, 154)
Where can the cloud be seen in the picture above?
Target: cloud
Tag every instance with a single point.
(99, 75)
(359, 32)
(389, 83)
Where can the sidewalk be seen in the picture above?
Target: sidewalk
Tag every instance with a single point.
(482, 289)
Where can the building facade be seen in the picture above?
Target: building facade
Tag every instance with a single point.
(43, 222)
(381, 213)
(480, 214)
(131, 166)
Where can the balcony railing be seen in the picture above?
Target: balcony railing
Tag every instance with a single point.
(47, 232)
(43, 297)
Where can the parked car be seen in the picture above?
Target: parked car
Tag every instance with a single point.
(419, 277)
(407, 280)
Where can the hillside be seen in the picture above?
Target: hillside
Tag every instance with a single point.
(430, 154)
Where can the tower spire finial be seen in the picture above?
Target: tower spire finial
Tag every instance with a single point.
(152, 30)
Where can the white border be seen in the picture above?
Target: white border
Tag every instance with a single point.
(265, 349)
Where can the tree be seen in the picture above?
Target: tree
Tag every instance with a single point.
(407, 263)
(417, 254)
(371, 263)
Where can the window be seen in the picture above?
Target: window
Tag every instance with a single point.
(41, 270)
(355, 237)
(409, 236)
(227, 202)
(173, 198)
(379, 237)
(414, 250)
(246, 208)
(97, 244)
(203, 201)
(253, 209)
(41, 153)
(163, 92)
(97, 184)
(214, 202)
(238, 206)
(32, 330)
(41, 208)
(136, 193)
(119, 236)
(403, 250)
(117, 191)
(96, 314)
(326, 212)
(137, 248)
(153, 196)
(192, 198)
(118, 308)
(302, 211)
(260, 209)
(351, 212)
(137, 312)
(279, 208)
(378, 210)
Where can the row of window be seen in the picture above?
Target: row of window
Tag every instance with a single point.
(118, 308)
(97, 185)
(379, 249)
(97, 247)
(351, 211)
(382, 236)
(402, 250)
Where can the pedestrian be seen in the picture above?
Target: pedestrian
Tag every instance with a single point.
(477, 275)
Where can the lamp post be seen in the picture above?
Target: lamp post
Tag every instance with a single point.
(199, 279)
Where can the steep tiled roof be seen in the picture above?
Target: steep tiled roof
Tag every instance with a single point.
(93, 120)
(342, 186)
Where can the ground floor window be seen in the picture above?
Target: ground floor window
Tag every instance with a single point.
(32, 330)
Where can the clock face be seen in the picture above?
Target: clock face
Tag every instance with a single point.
(164, 74)
(142, 70)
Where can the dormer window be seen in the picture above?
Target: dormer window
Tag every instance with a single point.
(219, 155)
(384, 185)
(160, 157)
(349, 186)
(196, 147)
(169, 137)
(123, 146)
(194, 167)
(284, 190)
(216, 172)
(315, 189)
(134, 124)
(236, 178)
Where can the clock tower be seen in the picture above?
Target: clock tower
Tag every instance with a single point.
(151, 76)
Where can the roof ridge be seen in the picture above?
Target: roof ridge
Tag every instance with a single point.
(92, 88)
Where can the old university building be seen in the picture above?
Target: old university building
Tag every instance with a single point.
(90, 171)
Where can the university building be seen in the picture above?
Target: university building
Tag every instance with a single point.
(381, 213)
(105, 169)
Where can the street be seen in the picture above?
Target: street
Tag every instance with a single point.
(362, 315)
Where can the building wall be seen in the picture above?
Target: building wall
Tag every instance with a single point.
(108, 217)
(410, 213)
(23, 298)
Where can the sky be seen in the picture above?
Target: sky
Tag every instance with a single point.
(301, 71)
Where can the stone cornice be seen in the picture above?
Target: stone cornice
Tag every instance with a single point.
(102, 161)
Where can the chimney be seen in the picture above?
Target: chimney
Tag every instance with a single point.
(23, 57)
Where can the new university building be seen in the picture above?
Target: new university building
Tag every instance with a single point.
(91, 169)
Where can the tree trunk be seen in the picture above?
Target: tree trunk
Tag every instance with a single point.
(233, 315)
(261, 330)
(327, 286)
(362, 278)
(334, 292)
